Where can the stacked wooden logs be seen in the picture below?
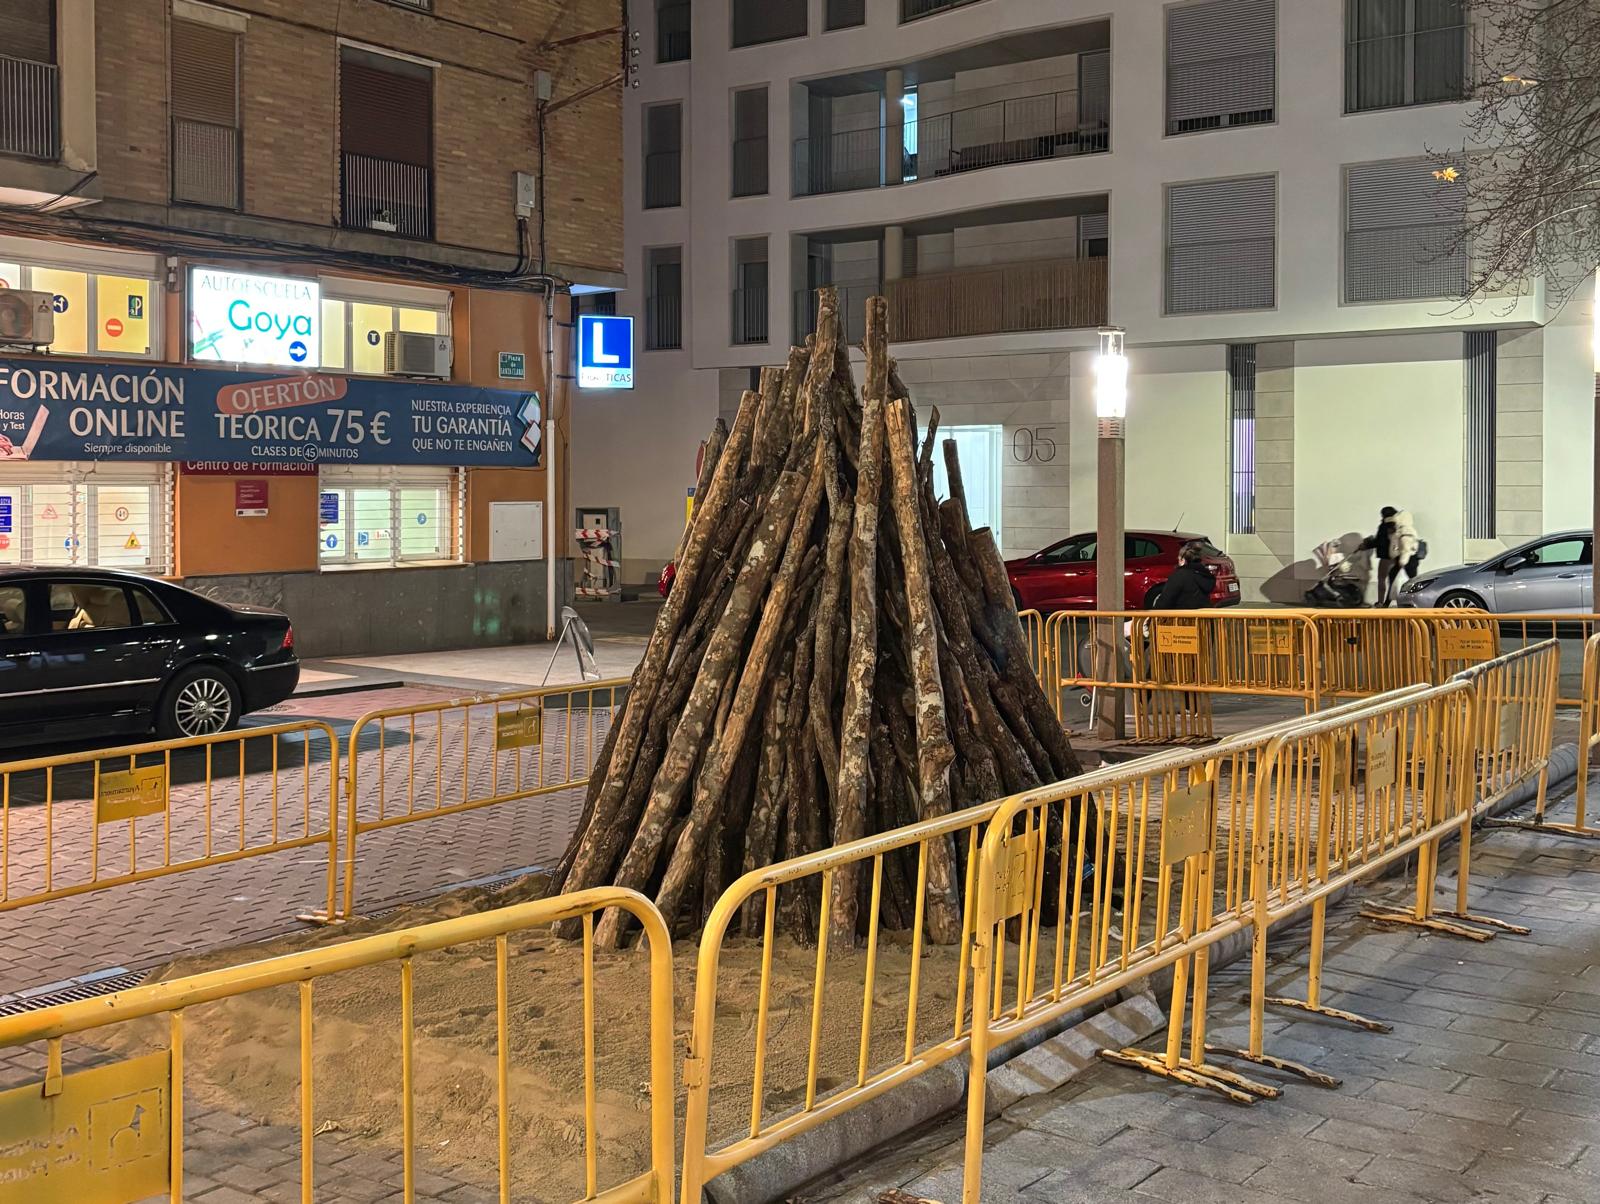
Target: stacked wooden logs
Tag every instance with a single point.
(839, 655)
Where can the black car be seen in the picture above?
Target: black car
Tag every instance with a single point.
(86, 653)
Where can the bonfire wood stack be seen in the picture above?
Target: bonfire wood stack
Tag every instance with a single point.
(839, 655)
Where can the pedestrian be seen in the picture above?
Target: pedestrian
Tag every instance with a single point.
(1396, 546)
(1191, 584)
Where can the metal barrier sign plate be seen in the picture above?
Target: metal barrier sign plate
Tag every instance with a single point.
(1383, 759)
(1271, 642)
(105, 1139)
(1178, 641)
(1474, 644)
(1510, 726)
(521, 728)
(1014, 882)
(130, 793)
(1186, 822)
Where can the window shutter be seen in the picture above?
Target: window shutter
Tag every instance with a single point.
(663, 129)
(1222, 245)
(1094, 90)
(750, 113)
(27, 30)
(205, 73)
(1221, 64)
(386, 108)
(1399, 226)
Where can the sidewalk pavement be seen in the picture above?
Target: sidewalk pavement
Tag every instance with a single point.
(1487, 1090)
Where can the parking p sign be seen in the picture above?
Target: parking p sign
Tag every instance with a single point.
(605, 352)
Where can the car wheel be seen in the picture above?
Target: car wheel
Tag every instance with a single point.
(201, 701)
(1461, 600)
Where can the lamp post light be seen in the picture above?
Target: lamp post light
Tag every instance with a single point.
(1111, 406)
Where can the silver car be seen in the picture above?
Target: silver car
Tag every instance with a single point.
(1551, 574)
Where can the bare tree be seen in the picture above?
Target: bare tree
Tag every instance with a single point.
(1530, 164)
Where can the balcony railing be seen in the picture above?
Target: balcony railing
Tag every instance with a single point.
(30, 108)
(910, 10)
(852, 311)
(663, 180)
(672, 33)
(390, 197)
(1061, 294)
(749, 315)
(663, 322)
(750, 166)
(1023, 130)
(205, 164)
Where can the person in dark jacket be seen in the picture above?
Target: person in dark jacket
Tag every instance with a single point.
(1191, 583)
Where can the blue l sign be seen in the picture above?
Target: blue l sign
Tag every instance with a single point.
(605, 352)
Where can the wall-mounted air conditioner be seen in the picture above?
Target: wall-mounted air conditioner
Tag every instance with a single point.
(408, 354)
(27, 318)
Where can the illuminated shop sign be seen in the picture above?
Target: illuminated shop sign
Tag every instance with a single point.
(236, 318)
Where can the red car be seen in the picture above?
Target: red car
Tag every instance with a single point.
(1062, 577)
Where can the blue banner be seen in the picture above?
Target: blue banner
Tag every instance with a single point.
(70, 410)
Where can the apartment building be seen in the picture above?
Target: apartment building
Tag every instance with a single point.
(297, 257)
(1243, 185)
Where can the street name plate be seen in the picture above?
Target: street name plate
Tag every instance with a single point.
(105, 1138)
(1181, 640)
(1271, 642)
(521, 728)
(1383, 759)
(130, 793)
(1510, 726)
(1186, 822)
(1014, 878)
(1474, 644)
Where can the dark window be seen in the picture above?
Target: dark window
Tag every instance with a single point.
(205, 115)
(82, 606)
(1139, 548)
(844, 14)
(386, 140)
(1222, 64)
(1221, 245)
(1403, 233)
(1482, 355)
(1071, 551)
(149, 609)
(750, 291)
(1404, 52)
(672, 31)
(758, 21)
(28, 30)
(750, 142)
(663, 156)
(1094, 240)
(663, 302)
(1242, 435)
(13, 610)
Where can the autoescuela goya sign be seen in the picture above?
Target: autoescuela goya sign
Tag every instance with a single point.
(80, 411)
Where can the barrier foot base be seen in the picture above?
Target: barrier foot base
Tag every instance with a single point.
(1488, 922)
(1355, 1018)
(1225, 1083)
(1315, 1077)
(1406, 919)
(1536, 825)
(319, 917)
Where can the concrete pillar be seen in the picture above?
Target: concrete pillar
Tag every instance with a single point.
(894, 253)
(894, 125)
(75, 54)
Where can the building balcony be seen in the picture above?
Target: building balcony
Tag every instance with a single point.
(206, 166)
(663, 322)
(910, 10)
(30, 108)
(386, 196)
(749, 316)
(663, 180)
(1009, 298)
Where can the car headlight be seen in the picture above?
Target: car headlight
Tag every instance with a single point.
(1416, 587)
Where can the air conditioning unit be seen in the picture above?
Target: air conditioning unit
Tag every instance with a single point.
(27, 318)
(409, 354)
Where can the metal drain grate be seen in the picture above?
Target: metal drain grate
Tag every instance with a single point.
(73, 993)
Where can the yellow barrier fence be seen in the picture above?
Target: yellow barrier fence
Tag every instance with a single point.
(1033, 633)
(409, 764)
(70, 1112)
(90, 821)
(1588, 733)
(1516, 712)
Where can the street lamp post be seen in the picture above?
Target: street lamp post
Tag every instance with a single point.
(1111, 407)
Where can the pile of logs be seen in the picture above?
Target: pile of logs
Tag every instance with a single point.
(839, 655)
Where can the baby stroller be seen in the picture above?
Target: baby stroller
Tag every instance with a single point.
(1341, 585)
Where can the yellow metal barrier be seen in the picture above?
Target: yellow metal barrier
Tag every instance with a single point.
(1516, 712)
(1033, 633)
(1371, 651)
(69, 1111)
(90, 821)
(485, 750)
(1588, 733)
(1514, 631)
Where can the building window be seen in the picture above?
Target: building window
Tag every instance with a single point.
(1242, 437)
(1402, 236)
(663, 301)
(206, 167)
(981, 449)
(1404, 52)
(99, 313)
(386, 144)
(110, 515)
(672, 31)
(750, 290)
(750, 142)
(1482, 356)
(389, 517)
(758, 21)
(844, 14)
(30, 88)
(1094, 236)
(1222, 64)
(355, 323)
(599, 303)
(1222, 245)
(663, 156)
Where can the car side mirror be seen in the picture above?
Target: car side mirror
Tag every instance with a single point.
(1513, 564)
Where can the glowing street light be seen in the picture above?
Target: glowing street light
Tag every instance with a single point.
(1111, 406)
